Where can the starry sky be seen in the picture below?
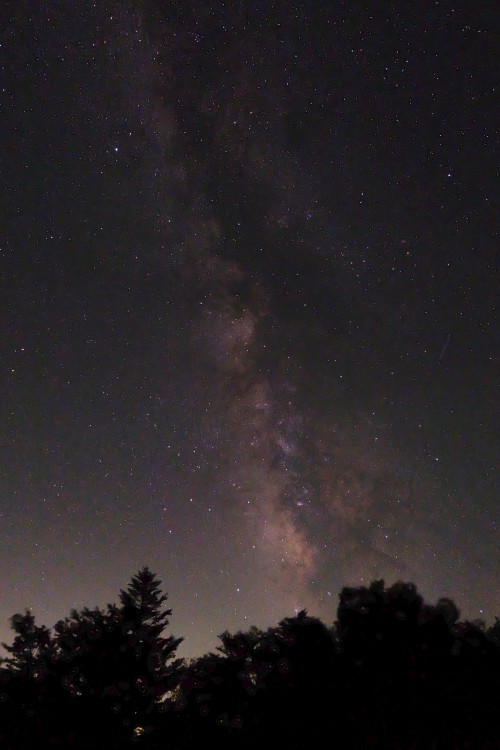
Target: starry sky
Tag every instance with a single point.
(247, 292)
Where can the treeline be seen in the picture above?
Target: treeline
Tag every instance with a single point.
(391, 673)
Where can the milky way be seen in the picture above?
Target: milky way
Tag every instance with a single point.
(264, 368)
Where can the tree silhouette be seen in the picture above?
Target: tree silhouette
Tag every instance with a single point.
(392, 673)
(493, 632)
(97, 682)
(295, 664)
(31, 647)
(26, 680)
(144, 620)
(117, 661)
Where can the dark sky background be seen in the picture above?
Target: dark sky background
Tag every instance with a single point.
(247, 296)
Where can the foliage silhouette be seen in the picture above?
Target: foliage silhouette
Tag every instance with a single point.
(392, 672)
(102, 673)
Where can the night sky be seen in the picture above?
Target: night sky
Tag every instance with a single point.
(247, 306)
